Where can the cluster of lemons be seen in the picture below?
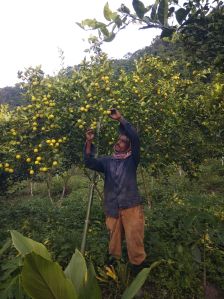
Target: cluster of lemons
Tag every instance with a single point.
(55, 142)
(7, 168)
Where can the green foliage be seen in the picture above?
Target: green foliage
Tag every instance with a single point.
(181, 14)
(108, 14)
(157, 18)
(138, 282)
(184, 227)
(42, 278)
(139, 8)
(12, 289)
(163, 12)
(77, 277)
(203, 39)
(26, 245)
(195, 26)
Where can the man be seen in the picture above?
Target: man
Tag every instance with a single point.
(122, 202)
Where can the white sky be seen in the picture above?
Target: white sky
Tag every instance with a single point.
(31, 32)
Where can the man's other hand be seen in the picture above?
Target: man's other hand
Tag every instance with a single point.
(115, 114)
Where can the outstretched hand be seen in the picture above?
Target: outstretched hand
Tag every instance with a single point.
(89, 135)
(115, 114)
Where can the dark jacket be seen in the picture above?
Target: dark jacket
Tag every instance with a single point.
(120, 186)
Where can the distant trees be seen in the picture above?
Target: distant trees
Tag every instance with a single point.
(11, 95)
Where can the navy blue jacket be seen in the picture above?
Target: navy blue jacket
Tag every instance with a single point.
(120, 185)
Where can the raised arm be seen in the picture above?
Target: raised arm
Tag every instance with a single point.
(89, 151)
(127, 129)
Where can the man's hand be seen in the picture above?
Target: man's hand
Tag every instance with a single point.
(115, 114)
(89, 135)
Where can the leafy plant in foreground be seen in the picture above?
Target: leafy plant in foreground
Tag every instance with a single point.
(43, 278)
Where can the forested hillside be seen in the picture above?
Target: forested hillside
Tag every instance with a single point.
(11, 95)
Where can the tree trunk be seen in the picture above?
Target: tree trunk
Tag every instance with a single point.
(49, 189)
(31, 188)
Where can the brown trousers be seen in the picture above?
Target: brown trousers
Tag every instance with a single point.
(130, 223)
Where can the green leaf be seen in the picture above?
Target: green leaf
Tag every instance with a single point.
(105, 31)
(108, 14)
(80, 25)
(118, 21)
(139, 8)
(6, 245)
(76, 270)
(167, 32)
(124, 9)
(44, 279)
(138, 282)
(91, 289)
(88, 22)
(154, 10)
(171, 11)
(110, 37)
(163, 12)
(181, 14)
(91, 23)
(26, 245)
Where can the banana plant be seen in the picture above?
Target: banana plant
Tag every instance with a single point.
(43, 278)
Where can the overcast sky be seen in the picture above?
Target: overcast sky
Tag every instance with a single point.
(32, 31)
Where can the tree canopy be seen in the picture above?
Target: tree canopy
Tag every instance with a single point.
(198, 25)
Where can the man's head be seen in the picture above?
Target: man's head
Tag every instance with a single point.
(123, 144)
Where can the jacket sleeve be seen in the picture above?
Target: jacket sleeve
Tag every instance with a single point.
(127, 129)
(91, 162)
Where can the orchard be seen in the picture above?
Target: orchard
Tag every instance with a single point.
(178, 115)
(173, 94)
